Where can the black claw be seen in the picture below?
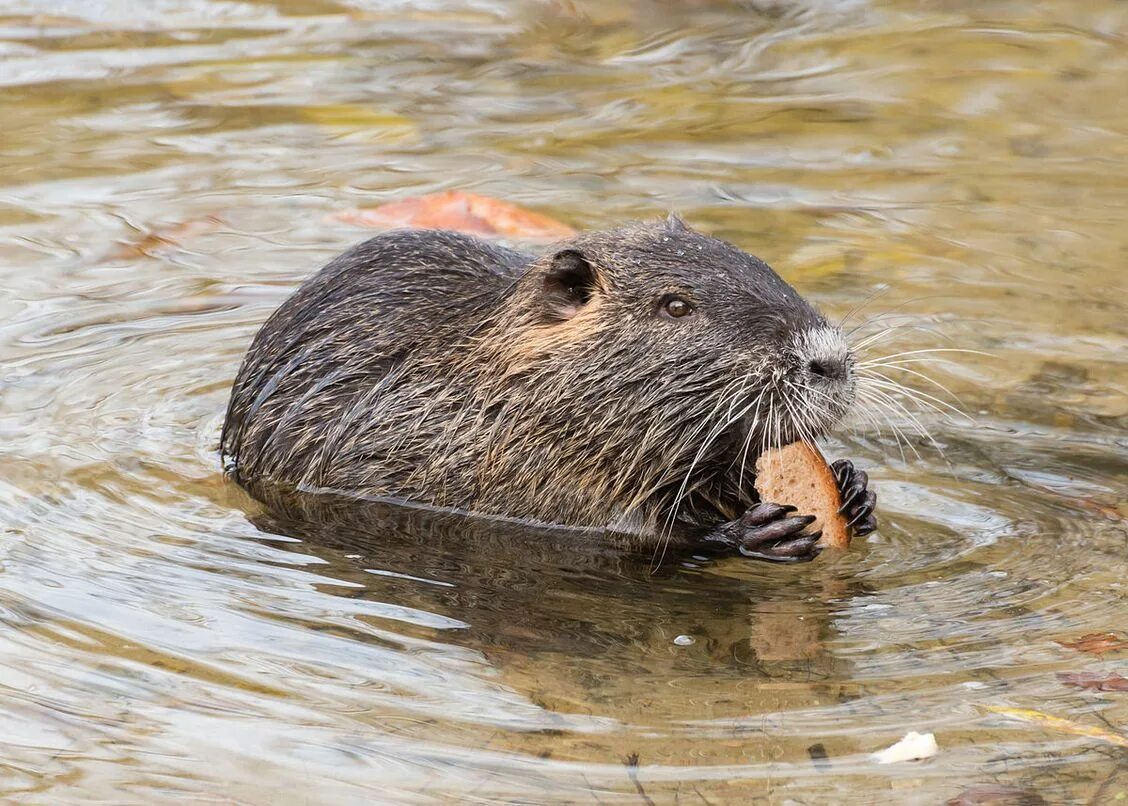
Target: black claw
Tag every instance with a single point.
(783, 558)
(866, 527)
(801, 549)
(780, 529)
(865, 508)
(765, 513)
(858, 501)
(855, 488)
(800, 546)
(768, 532)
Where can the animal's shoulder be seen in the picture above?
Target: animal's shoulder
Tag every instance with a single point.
(424, 259)
(395, 281)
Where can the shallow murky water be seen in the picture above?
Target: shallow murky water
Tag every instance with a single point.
(167, 176)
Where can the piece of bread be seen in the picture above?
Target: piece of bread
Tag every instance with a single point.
(797, 474)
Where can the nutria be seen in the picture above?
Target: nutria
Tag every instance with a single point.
(624, 381)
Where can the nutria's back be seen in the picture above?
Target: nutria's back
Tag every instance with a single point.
(622, 378)
(345, 333)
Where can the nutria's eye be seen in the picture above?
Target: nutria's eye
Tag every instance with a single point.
(676, 307)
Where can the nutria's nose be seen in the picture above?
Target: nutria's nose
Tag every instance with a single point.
(824, 357)
(830, 368)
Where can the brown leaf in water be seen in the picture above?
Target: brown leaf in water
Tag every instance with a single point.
(996, 795)
(464, 212)
(1094, 681)
(1096, 643)
(163, 237)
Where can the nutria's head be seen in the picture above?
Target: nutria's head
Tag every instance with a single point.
(677, 349)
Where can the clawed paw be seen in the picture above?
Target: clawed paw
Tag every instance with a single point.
(858, 502)
(771, 533)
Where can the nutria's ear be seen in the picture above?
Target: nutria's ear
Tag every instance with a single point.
(569, 284)
(674, 223)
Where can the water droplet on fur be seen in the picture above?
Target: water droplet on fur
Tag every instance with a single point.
(685, 640)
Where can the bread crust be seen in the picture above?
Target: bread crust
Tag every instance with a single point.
(797, 474)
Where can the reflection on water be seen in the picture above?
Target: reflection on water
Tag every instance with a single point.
(168, 174)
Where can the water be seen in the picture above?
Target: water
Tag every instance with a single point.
(163, 639)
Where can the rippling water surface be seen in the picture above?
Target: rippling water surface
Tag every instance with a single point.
(168, 173)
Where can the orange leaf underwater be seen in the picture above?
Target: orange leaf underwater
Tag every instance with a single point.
(162, 238)
(1097, 643)
(1094, 681)
(464, 212)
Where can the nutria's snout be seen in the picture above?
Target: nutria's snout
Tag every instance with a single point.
(825, 358)
(826, 379)
(814, 387)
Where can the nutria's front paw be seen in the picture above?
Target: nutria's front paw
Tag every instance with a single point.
(857, 502)
(771, 533)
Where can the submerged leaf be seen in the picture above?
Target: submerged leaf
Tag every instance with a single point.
(361, 121)
(1094, 681)
(996, 795)
(1059, 724)
(463, 212)
(1097, 643)
(161, 238)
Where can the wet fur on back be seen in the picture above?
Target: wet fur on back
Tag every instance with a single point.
(441, 369)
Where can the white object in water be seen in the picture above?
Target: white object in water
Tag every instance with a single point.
(911, 748)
